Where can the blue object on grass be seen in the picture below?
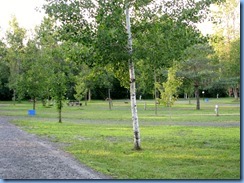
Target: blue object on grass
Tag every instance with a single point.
(31, 112)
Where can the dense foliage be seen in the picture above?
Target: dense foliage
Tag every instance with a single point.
(84, 47)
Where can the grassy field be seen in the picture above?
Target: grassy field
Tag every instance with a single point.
(178, 143)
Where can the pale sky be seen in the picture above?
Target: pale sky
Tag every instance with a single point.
(28, 17)
(24, 10)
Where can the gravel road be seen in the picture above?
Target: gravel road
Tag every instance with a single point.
(25, 156)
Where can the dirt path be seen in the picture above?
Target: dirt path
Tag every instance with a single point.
(24, 156)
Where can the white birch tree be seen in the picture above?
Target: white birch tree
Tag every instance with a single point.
(137, 143)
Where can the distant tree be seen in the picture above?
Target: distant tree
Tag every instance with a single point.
(231, 67)
(80, 89)
(169, 89)
(198, 67)
(81, 84)
(59, 79)
(15, 40)
(32, 79)
(4, 70)
(226, 18)
(226, 43)
(159, 41)
(229, 60)
(104, 77)
(54, 58)
(187, 89)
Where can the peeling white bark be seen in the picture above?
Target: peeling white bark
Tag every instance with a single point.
(137, 143)
(134, 107)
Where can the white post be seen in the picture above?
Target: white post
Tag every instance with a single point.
(217, 110)
(132, 86)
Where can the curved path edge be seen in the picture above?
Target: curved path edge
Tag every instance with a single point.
(25, 156)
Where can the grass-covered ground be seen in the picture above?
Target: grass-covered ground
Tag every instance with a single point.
(178, 143)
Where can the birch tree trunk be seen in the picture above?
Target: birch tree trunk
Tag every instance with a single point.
(137, 143)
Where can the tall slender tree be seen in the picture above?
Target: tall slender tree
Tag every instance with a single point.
(53, 55)
(199, 68)
(15, 40)
(226, 42)
(137, 140)
(32, 79)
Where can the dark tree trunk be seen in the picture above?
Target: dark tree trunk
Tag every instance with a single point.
(86, 99)
(60, 112)
(197, 96)
(155, 93)
(109, 100)
(236, 93)
(34, 103)
(44, 102)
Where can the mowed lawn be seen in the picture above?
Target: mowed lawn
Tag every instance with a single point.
(177, 143)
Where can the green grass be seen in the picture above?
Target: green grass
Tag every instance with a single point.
(191, 144)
